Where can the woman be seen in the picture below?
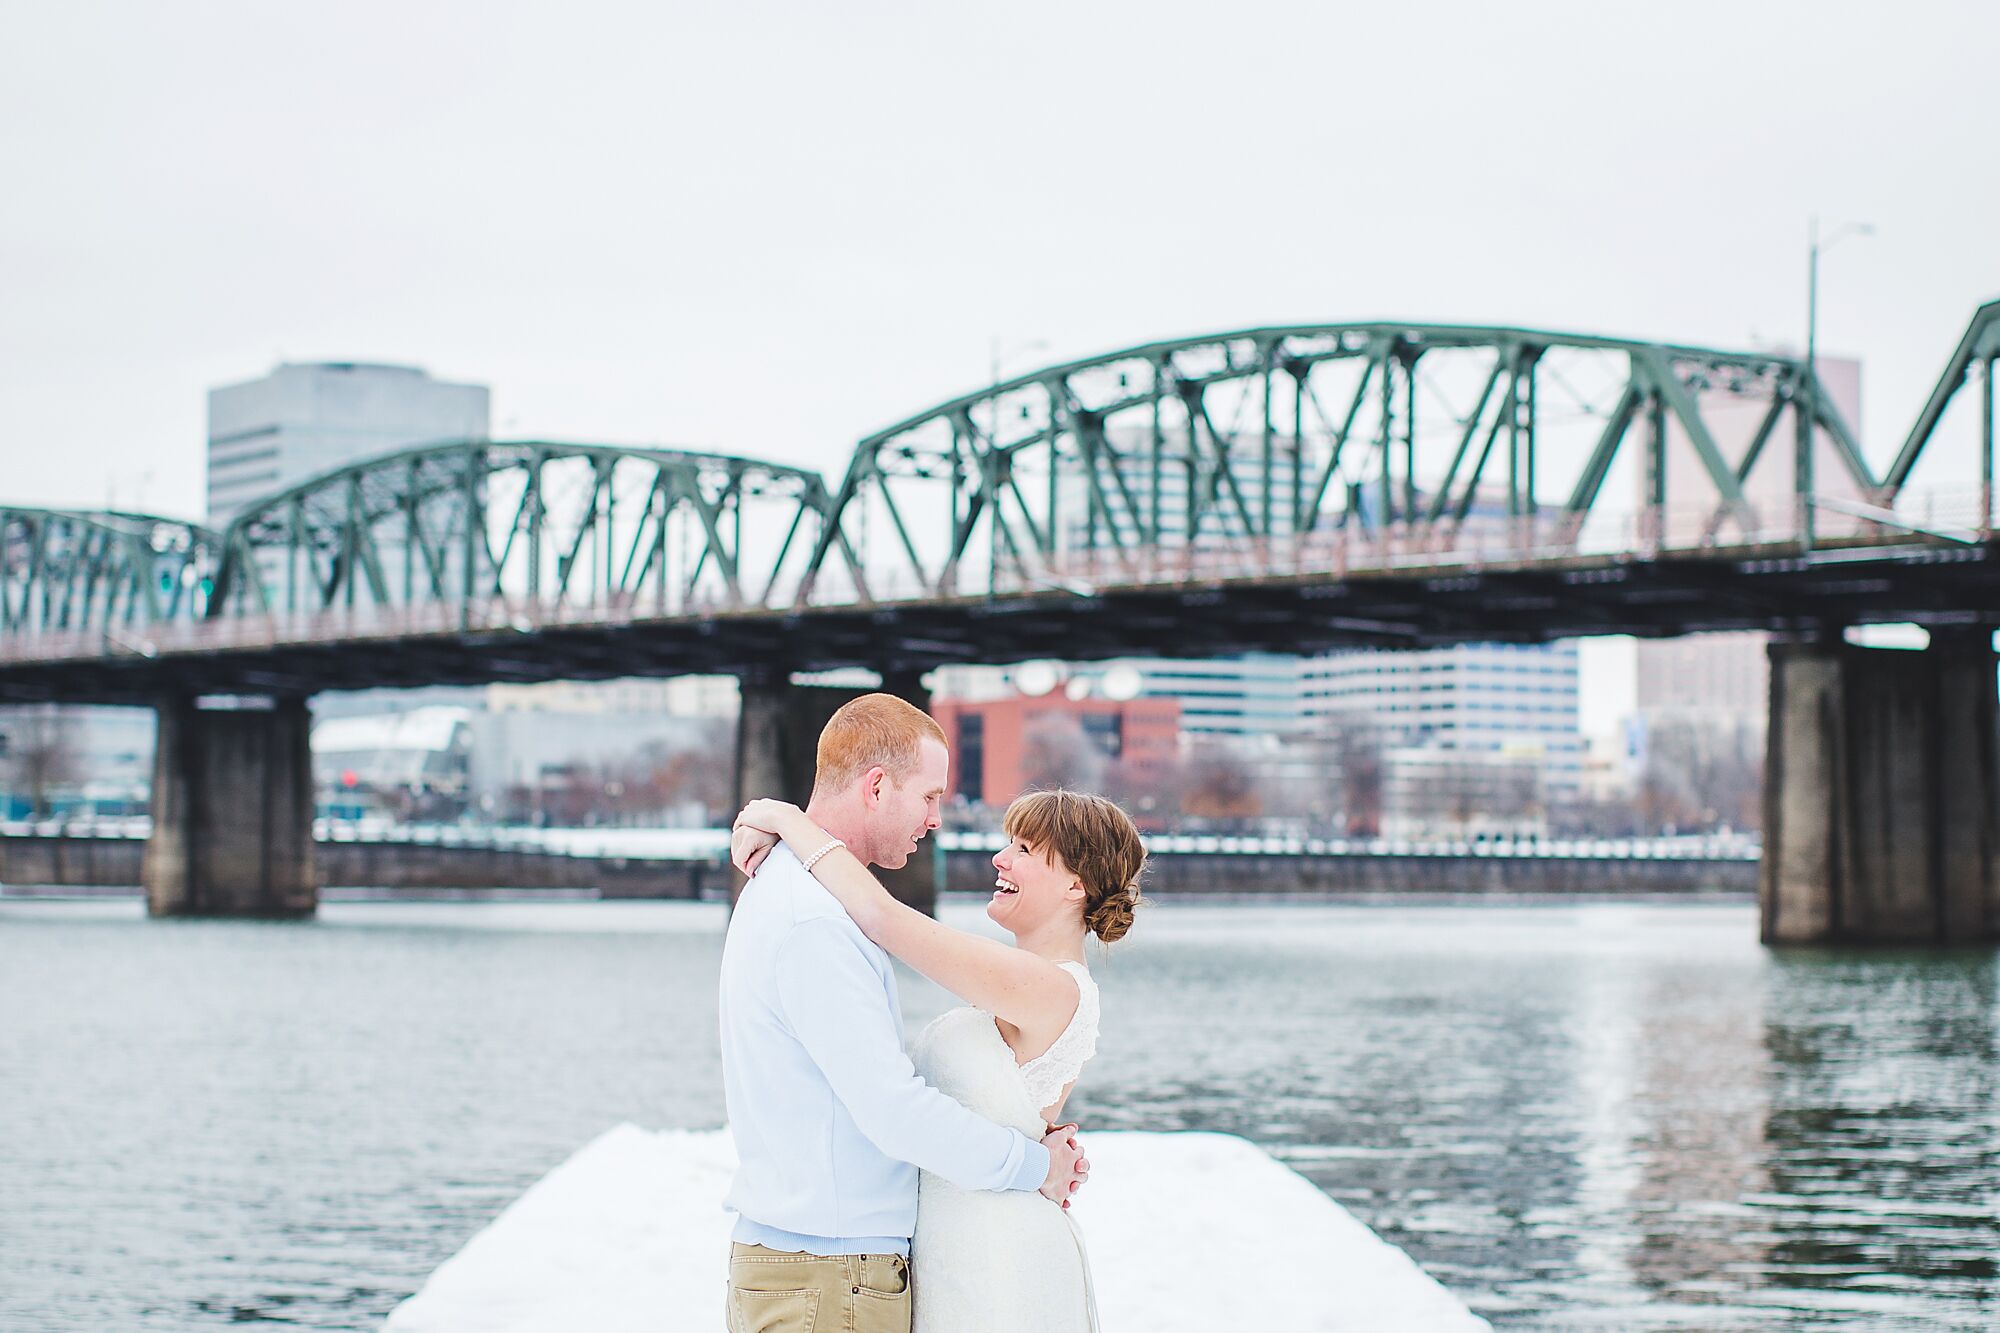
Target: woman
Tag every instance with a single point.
(986, 1260)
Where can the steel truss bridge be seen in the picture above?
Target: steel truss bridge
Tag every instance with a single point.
(1289, 488)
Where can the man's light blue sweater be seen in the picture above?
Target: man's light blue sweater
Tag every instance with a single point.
(830, 1119)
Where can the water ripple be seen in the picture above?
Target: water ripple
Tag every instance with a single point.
(1626, 1118)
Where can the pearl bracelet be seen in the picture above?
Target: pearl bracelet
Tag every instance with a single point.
(815, 858)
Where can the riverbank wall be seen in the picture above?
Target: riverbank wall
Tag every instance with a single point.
(63, 861)
(56, 859)
(1256, 874)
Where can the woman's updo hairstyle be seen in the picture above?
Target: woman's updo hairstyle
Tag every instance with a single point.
(1097, 841)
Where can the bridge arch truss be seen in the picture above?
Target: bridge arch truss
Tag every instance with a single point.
(1285, 455)
(103, 573)
(1311, 447)
(530, 532)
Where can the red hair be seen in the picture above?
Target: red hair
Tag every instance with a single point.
(875, 729)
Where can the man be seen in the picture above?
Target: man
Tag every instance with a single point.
(830, 1119)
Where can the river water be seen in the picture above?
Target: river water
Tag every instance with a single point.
(1585, 1116)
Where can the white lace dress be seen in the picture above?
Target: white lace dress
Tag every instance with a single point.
(1000, 1261)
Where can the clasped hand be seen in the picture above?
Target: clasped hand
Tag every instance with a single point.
(755, 833)
(1068, 1167)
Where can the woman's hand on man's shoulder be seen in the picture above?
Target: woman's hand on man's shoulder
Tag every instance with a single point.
(748, 846)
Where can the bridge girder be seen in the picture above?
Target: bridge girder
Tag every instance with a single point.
(524, 533)
(1284, 442)
(1977, 350)
(104, 572)
(1327, 456)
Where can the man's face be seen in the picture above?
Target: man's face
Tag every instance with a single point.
(904, 812)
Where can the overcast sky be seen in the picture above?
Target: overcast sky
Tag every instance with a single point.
(769, 228)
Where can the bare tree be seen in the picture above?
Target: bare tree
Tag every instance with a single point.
(1516, 792)
(41, 753)
(1700, 775)
(667, 774)
(1354, 745)
(1328, 779)
(1057, 753)
(1150, 792)
(1585, 816)
(654, 782)
(1221, 784)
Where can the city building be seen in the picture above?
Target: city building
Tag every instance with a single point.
(1610, 763)
(1485, 697)
(1241, 698)
(1473, 737)
(1004, 746)
(1696, 736)
(1251, 696)
(442, 762)
(1223, 495)
(304, 419)
(1719, 677)
(648, 766)
(408, 764)
(1433, 790)
(263, 435)
(1464, 738)
(1771, 488)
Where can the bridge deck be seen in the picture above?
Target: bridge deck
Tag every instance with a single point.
(1397, 602)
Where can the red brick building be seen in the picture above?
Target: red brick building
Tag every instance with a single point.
(993, 742)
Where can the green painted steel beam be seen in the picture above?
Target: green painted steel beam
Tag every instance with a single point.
(1430, 336)
(1981, 342)
(1136, 459)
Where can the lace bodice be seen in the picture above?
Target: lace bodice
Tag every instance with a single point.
(963, 1055)
(1057, 1067)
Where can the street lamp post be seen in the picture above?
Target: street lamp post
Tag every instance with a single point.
(1986, 453)
(1802, 475)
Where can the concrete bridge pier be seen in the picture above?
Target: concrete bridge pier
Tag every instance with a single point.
(777, 740)
(1882, 794)
(232, 810)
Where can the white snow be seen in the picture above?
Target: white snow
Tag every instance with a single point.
(1186, 1232)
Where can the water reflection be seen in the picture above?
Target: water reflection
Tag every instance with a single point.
(1613, 1117)
(1884, 1161)
(1620, 1118)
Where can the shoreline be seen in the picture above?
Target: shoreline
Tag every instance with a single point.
(119, 893)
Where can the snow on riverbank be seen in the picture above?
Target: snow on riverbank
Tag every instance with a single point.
(1186, 1232)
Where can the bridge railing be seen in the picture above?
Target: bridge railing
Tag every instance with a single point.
(1501, 542)
(497, 616)
(676, 844)
(1479, 543)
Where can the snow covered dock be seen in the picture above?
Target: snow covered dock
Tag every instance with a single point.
(629, 1235)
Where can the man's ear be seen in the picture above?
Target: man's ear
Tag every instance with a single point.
(871, 785)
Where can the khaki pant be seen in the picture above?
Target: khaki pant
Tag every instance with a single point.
(774, 1292)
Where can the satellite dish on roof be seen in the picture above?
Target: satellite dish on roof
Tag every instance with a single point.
(1122, 682)
(1037, 678)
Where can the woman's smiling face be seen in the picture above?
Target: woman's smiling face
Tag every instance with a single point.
(1030, 887)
